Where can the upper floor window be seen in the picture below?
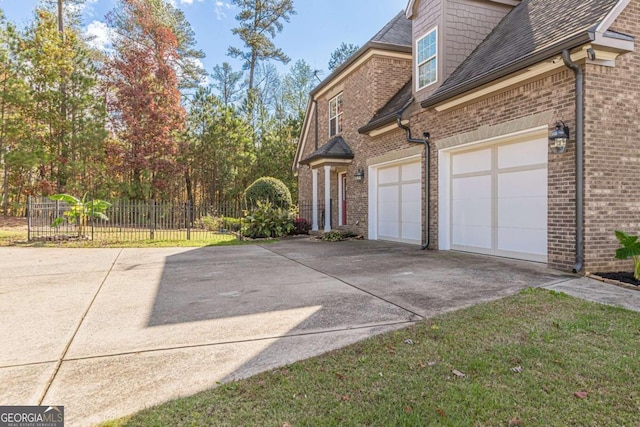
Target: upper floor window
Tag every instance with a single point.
(335, 115)
(427, 59)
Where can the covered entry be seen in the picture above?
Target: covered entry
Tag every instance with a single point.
(334, 156)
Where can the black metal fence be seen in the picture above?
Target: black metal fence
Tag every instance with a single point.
(136, 221)
(305, 211)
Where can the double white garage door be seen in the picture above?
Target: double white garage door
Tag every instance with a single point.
(493, 200)
(498, 202)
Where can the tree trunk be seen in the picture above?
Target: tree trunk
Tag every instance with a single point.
(64, 151)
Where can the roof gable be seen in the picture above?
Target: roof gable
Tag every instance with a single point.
(534, 26)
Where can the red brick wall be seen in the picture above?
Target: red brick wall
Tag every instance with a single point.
(612, 151)
(554, 93)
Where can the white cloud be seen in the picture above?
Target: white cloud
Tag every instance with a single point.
(100, 34)
(221, 8)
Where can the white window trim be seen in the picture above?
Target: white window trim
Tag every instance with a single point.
(435, 56)
(337, 116)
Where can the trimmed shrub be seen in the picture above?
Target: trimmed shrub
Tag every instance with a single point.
(302, 226)
(266, 220)
(268, 189)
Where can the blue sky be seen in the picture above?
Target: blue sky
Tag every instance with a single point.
(318, 28)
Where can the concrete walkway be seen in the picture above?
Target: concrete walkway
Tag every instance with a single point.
(596, 291)
(107, 332)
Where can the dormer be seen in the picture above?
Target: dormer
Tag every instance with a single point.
(445, 32)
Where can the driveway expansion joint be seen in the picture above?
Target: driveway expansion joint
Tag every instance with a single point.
(215, 344)
(75, 332)
(419, 316)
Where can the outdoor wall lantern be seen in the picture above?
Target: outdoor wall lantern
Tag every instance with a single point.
(559, 138)
(359, 175)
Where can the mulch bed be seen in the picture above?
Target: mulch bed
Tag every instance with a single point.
(622, 278)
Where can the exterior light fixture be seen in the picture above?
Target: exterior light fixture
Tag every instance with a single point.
(559, 138)
(359, 175)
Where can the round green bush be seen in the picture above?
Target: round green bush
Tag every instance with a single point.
(268, 189)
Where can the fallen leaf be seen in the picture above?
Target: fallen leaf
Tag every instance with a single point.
(516, 370)
(459, 374)
(514, 422)
(339, 376)
(346, 398)
(580, 394)
(408, 409)
(408, 341)
(392, 350)
(422, 364)
(441, 413)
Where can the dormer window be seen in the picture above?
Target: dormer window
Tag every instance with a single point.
(427, 59)
(335, 116)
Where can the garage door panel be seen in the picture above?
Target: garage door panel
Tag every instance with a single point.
(472, 236)
(411, 212)
(388, 175)
(523, 183)
(412, 231)
(476, 161)
(523, 154)
(411, 172)
(389, 229)
(522, 240)
(523, 212)
(411, 202)
(476, 212)
(475, 187)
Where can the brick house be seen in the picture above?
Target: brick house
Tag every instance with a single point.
(490, 87)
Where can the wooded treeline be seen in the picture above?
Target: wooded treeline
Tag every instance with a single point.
(136, 120)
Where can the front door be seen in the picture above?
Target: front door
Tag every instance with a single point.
(343, 199)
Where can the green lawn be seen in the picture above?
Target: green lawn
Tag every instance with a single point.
(561, 344)
(17, 237)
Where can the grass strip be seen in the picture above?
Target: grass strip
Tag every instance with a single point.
(540, 358)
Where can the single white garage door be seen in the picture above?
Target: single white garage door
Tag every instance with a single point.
(499, 200)
(399, 203)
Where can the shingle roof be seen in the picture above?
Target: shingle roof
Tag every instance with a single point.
(396, 35)
(533, 28)
(336, 148)
(389, 113)
(397, 31)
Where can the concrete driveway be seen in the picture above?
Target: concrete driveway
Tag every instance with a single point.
(106, 332)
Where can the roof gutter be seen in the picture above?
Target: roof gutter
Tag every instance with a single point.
(427, 162)
(513, 67)
(577, 70)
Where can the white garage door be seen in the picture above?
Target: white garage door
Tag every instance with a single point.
(399, 203)
(499, 200)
